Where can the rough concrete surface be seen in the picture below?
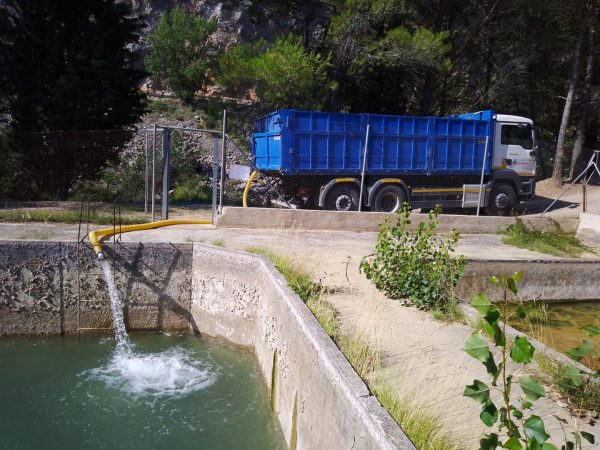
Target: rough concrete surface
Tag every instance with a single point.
(41, 282)
(300, 219)
(319, 400)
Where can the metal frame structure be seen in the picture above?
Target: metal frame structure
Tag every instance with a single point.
(218, 167)
(592, 164)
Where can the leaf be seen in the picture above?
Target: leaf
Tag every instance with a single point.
(575, 353)
(478, 391)
(494, 280)
(492, 369)
(481, 303)
(591, 330)
(511, 285)
(489, 413)
(522, 351)
(512, 444)
(588, 437)
(517, 276)
(572, 376)
(492, 316)
(534, 429)
(489, 442)
(548, 446)
(531, 388)
(477, 347)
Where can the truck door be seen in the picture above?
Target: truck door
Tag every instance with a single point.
(513, 145)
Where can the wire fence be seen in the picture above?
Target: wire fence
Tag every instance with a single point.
(209, 168)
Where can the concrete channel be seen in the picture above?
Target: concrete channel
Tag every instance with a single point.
(319, 400)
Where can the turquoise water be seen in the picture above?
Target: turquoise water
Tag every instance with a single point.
(174, 392)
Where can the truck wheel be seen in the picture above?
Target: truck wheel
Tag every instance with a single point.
(342, 197)
(389, 199)
(502, 200)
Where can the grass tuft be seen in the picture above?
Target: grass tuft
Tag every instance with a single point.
(556, 242)
(66, 216)
(422, 428)
(218, 242)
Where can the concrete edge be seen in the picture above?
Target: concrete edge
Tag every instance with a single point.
(320, 220)
(382, 426)
(547, 351)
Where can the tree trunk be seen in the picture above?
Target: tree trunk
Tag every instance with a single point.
(560, 144)
(580, 133)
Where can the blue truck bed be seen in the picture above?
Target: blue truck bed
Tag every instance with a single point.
(293, 142)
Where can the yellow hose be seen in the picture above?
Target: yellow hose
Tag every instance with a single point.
(247, 188)
(97, 235)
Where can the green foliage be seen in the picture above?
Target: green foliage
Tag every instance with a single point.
(67, 66)
(180, 51)
(556, 242)
(515, 426)
(419, 266)
(282, 73)
(96, 216)
(192, 189)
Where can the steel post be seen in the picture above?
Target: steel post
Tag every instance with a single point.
(485, 152)
(215, 175)
(153, 190)
(223, 162)
(166, 144)
(364, 169)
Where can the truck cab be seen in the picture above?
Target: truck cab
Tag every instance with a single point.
(513, 159)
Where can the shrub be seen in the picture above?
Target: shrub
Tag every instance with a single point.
(192, 190)
(417, 266)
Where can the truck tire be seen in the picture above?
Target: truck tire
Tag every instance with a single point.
(502, 200)
(389, 199)
(342, 197)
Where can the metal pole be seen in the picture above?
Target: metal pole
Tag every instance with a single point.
(485, 151)
(153, 172)
(146, 172)
(590, 164)
(223, 162)
(214, 175)
(165, 178)
(364, 168)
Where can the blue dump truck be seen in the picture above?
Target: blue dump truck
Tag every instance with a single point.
(347, 162)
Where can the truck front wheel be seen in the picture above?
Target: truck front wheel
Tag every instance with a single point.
(342, 197)
(389, 199)
(502, 200)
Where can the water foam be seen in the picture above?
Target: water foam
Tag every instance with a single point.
(169, 374)
(173, 373)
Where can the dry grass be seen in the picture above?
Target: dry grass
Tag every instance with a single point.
(418, 422)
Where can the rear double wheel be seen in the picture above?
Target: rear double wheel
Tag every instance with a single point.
(342, 197)
(389, 199)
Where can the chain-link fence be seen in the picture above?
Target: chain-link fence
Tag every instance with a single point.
(206, 169)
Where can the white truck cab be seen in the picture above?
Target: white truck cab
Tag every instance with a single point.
(514, 145)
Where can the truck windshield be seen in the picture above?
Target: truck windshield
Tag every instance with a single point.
(517, 135)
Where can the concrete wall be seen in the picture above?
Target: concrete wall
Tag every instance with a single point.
(40, 283)
(299, 219)
(544, 280)
(319, 400)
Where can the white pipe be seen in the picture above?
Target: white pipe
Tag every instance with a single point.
(364, 168)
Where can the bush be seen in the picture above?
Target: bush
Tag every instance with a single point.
(416, 266)
(192, 190)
